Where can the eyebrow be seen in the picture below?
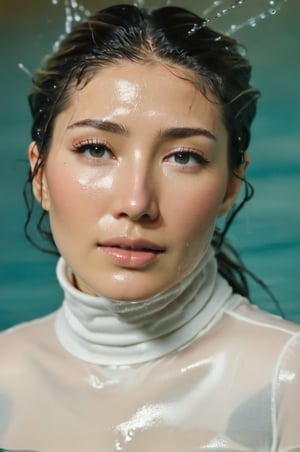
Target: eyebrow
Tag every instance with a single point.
(169, 133)
(100, 124)
(185, 132)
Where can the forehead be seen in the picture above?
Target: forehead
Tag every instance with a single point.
(145, 90)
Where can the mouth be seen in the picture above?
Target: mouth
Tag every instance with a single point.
(129, 253)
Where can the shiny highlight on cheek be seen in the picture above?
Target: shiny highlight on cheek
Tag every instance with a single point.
(93, 182)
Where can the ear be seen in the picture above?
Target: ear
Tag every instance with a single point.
(234, 186)
(39, 183)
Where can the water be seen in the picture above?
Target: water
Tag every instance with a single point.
(75, 12)
(267, 232)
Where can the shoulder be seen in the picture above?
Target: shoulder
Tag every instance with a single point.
(250, 315)
(263, 335)
(20, 342)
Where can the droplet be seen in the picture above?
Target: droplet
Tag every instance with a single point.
(118, 445)
(193, 30)
(57, 43)
(129, 435)
(253, 21)
(25, 70)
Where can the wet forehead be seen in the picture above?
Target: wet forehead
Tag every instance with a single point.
(148, 90)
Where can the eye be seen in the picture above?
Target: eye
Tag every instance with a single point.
(93, 150)
(187, 158)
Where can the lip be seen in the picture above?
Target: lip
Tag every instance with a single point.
(131, 253)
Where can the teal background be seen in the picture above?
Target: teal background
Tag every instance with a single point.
(267, 233)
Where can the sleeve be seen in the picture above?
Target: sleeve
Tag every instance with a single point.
(287, 397)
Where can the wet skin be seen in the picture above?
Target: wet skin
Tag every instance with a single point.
(135, 180)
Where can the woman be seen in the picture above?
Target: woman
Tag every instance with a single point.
(141, 124)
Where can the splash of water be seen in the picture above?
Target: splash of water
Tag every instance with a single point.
(217, 10)
(212, 13)
(222, 12)
(253, 21)
(219, 14)
(74, 13)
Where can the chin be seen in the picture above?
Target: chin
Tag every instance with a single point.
(125, 285)
(129, 291)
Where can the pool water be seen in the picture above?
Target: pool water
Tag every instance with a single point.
(267, 232)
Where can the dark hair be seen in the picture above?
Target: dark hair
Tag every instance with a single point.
(169, 34)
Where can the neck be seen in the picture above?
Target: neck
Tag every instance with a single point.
(100, 330)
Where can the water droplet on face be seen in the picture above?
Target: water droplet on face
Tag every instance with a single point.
(95, 382)
(130, 433)
(118, 446)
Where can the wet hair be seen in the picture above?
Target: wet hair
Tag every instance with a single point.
(214, 62)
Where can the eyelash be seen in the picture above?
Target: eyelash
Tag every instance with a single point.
(91, 145)
(199, 158)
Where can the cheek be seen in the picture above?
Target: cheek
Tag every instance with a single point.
(69, 182)
(75, 198)
(62, 191)
(195, 209)
(192, 218)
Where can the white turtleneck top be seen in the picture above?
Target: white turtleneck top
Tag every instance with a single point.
(195, 368)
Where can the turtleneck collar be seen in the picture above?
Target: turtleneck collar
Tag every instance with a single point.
(103, 331)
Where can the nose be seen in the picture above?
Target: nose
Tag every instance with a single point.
(135, 196)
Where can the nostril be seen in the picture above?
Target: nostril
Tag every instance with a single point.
(142, 209)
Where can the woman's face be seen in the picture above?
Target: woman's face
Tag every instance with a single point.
(135, 179)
